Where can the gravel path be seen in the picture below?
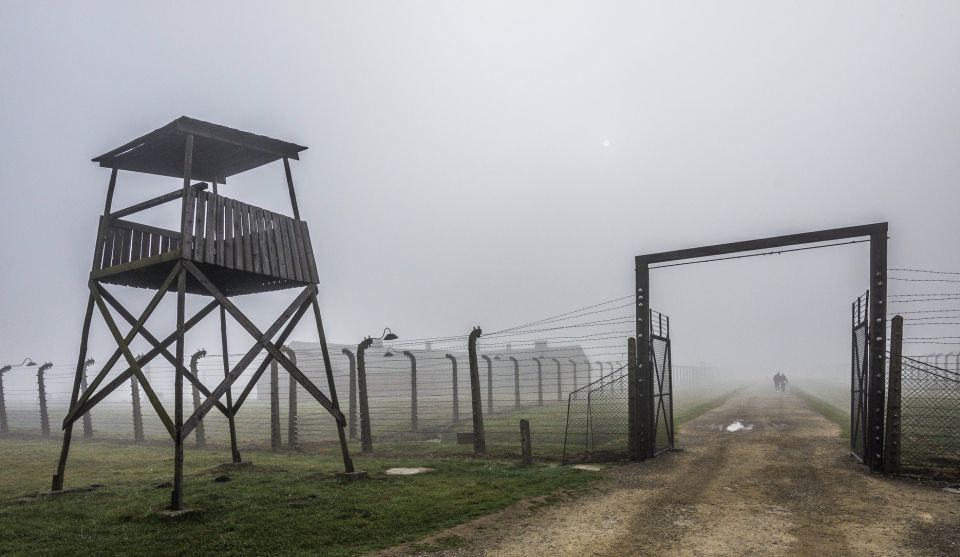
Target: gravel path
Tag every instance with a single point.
(784, 487)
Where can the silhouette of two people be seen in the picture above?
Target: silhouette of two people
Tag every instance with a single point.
(780, 382)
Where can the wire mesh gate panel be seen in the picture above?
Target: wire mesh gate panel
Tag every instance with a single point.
(598, 414)
(930, 416)
(859, 378)
(597, 425)
(661, 364)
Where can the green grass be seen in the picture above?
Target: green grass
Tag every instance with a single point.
(828, 409)
(287, 503)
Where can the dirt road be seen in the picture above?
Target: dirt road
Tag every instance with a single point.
(783, 487)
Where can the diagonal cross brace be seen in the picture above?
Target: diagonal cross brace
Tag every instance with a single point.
(163, 351)
(134, 365)
(80, 409)
(266, 361)
(264, 341)
(241, 366)
(137, 325)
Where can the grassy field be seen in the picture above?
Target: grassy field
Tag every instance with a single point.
(287, 503)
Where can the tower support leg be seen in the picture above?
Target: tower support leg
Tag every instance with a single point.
(176, 497)
(344, 449)
(68, 429)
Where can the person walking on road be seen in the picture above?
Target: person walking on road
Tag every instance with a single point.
(783, 382)
(776, 381)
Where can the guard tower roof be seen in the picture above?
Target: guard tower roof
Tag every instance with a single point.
(218, 151)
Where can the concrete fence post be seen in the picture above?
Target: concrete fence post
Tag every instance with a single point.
(456, 394)
(352, 414)
(275, 440)
(539, 380)
(42, 393)
(516, 382)
(366, 437)
(137, 411)
(489, 383)
(87, 418)
(559, 381)
(293, 437)
(413, 389)
(574, 364)
(201, 436)
(4, 428)
(479, 441)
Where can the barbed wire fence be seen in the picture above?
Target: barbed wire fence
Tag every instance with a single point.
(928, 394)
(418, 390)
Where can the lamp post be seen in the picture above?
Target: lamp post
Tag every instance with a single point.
(489, 383)
(3, 405)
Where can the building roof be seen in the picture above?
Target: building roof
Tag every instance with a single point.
(218, 151)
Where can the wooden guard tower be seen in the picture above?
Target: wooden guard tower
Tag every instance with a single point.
(223, 248)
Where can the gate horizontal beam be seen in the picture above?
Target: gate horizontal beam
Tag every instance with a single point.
(768, 243)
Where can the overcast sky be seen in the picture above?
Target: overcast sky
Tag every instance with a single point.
(493, 163)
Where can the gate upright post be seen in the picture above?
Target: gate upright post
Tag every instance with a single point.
(644, 376)
(633, 389)
(891, 445)
(42, 393)
(878, 346)
(479, 442)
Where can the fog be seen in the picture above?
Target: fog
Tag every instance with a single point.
(496, 163)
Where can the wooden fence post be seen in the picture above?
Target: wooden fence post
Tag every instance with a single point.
(275, 406)
(42, 392)
(292, 431)
(201, 437)
(525, 448)
(87, 418)
(137, 412)
(456, 395)
(891, 444)
(352, 414)
(366, 437)
(479, 441)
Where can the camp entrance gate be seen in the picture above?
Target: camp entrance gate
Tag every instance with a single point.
(649, 392)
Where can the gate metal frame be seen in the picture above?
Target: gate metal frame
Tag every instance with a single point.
(859, 378)
(642, 422)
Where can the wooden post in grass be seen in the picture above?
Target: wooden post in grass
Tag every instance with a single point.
(42, 393)
(479, 442)
(275, 406)
(525, 448)
(137, 412)
(891, 444)
(292, 432)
